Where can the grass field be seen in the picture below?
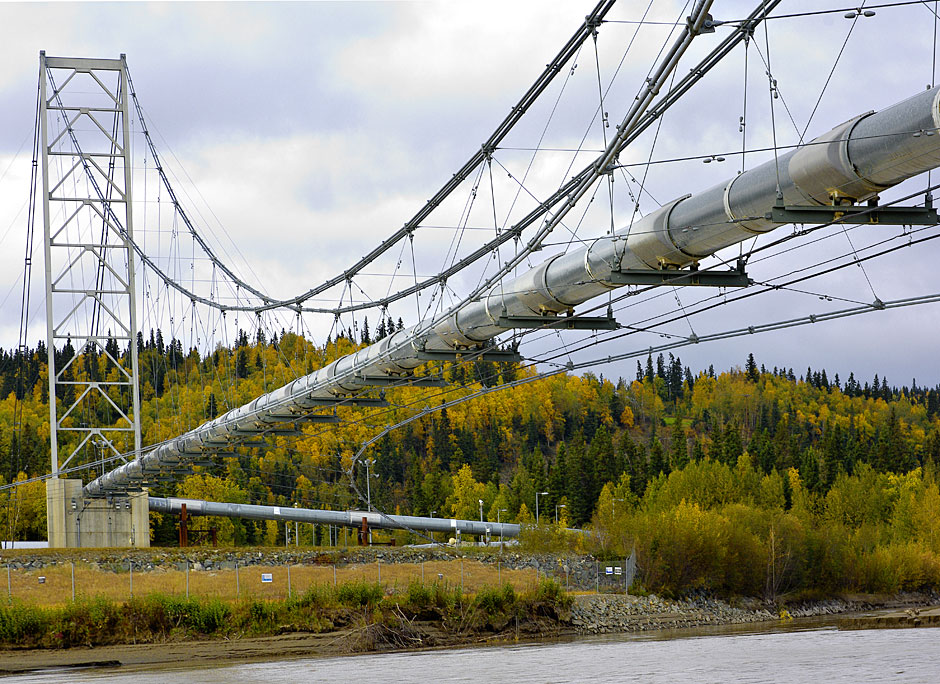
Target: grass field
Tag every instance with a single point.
(89, 582)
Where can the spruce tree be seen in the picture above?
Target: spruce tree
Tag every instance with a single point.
(657, 458)
(750, 368)
(680, 448)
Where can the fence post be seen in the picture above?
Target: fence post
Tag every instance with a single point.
(73, 581)
(461, 575)
(499, 574)
(288, 580)
(334, 577)
(9, 585)
(130, 575)
(187, 578)
(378, 564)
(597, 580)
(238, 592)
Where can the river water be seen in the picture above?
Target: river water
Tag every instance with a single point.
(813, 656)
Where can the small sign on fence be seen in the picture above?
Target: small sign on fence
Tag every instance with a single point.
(609, 570)
(267, 577)
(618, 570)
(42, 579)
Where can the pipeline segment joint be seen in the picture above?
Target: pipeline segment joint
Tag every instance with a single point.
(532, 290)
(653, 243)
(824, 172)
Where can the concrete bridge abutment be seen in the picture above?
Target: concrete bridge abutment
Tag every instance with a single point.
(77, 521)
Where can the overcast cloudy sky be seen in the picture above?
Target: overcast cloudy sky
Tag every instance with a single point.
(313, 130)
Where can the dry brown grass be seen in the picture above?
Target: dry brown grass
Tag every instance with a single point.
(91, 582)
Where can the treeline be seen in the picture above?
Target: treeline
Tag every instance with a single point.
(566, 436)
(734, 530)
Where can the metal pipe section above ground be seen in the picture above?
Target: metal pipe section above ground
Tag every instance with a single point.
(852, 163)
(375, 521)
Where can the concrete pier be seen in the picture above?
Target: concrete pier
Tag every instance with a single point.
(77, 521)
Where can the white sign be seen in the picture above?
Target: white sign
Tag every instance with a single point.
(609, 570)
(266, 577)
(618, 570)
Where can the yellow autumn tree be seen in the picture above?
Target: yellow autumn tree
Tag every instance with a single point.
(211, 488)
(463, 502)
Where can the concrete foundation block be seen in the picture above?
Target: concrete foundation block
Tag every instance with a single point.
(76, 521)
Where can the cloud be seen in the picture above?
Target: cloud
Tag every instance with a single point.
(314, 130)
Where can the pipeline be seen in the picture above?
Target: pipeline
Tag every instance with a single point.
(376, 521)
(851, 163)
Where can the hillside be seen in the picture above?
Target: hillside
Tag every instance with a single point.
(667, 442)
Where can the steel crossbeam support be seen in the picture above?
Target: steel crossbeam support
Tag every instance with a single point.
(374, 402)
(402, 380)
(559, 322)
(682, 276)
(858, 215)
(495, 355)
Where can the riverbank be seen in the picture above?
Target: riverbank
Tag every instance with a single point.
(587, 614)
(910, 617)
(603, 614)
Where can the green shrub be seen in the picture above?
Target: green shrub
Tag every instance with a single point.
(422, 596)
(86, 623)
(261, 614)
(316, 596)
(360, 594)
(21, 624)
(159, 614)
(550, 592)
(550, 539)
(496, 600)
(209, 616)
(419, 596)
(147, 615)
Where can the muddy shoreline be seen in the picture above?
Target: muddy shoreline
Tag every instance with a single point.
(589, 615)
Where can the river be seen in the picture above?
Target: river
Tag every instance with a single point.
(811, 655)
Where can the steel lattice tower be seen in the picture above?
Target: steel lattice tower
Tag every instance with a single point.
(89, 276)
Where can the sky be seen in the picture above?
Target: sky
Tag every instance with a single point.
(302, 134)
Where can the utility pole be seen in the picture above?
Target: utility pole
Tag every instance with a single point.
(537, 495)
(369, 463)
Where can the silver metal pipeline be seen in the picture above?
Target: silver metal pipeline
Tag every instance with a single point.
(852, 163)
(375, 521)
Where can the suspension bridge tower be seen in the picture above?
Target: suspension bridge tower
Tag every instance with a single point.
(91, 306)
